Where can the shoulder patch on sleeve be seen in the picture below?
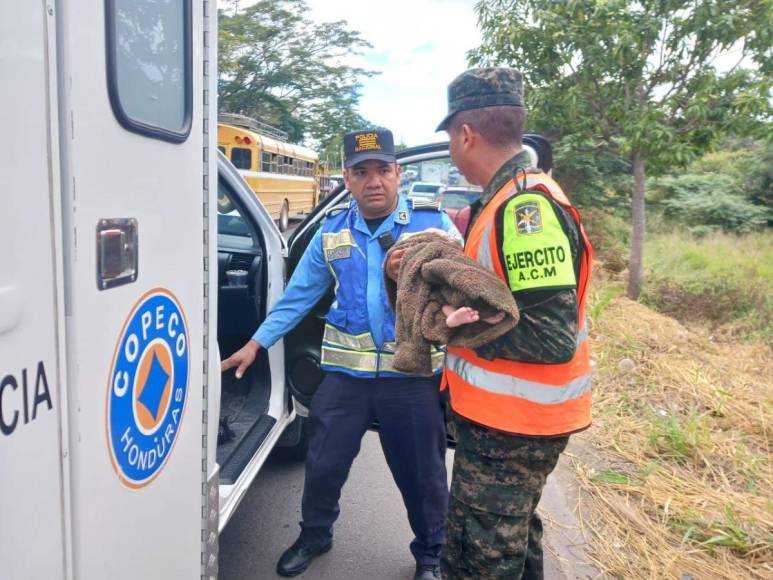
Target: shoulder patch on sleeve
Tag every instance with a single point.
(421, 204)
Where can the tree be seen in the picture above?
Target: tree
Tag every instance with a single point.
(280, 67)
(640, 77)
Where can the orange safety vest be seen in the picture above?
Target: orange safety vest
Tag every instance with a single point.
(537, 399)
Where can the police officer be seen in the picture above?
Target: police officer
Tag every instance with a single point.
(358, 347)
(516, 399)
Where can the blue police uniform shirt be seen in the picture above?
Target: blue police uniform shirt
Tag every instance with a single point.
(312, 278)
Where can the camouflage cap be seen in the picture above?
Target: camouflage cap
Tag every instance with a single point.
(483, 87)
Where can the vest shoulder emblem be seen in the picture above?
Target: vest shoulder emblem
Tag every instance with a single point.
(424, 204)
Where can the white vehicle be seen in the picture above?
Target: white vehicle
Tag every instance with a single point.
(426, 190)
(122, 451)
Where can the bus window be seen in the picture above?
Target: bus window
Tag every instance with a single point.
(274, 163)
(265, 164)
(241, 158)
(221, 149)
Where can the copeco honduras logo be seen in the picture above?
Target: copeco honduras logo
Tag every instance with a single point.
(147, 388)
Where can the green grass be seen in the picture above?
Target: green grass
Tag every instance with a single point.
(679, 438)
(720, 279)
(726, 530)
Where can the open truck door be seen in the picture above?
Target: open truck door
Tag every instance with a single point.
(253, 412)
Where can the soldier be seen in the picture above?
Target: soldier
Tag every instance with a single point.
(358, 349)
(516, 399)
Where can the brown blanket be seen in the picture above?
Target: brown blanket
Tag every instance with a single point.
(434, 271)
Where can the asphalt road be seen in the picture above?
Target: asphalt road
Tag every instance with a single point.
(371, 536)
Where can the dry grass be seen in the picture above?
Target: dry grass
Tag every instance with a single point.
(679, 482)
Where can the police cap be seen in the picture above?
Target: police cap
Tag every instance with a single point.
(367, 144)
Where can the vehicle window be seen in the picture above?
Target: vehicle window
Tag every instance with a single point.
(229, 219)
(241, 157)
(459, 199)
(429, 177)
(265, 164)
(221, 149)
(149, 66)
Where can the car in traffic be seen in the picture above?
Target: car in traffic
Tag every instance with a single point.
(426, 190)
(456, 202)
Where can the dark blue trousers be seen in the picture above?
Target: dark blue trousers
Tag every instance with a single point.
(413, 437)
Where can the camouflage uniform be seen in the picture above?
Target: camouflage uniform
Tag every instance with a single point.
(492, 529)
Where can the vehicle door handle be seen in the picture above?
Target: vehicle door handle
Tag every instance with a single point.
(117, 252)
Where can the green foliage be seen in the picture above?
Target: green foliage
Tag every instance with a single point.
(705, 203)
(609, 235)
(592, 173)
(749, 163)
(277, 65)
(723, 280)
(639, 76)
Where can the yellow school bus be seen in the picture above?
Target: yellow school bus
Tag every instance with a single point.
(282, 175)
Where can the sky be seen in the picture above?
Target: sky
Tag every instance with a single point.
(419, 46)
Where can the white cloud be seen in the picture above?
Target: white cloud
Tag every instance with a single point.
(419, 46)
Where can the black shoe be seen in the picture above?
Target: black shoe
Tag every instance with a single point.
(427, 572)
(298, 556)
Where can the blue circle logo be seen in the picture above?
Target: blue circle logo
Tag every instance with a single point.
(148, 388)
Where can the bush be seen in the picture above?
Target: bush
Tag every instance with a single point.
(610, 237)
(706, 203)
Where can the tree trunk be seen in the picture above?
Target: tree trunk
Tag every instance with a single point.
(637, 230)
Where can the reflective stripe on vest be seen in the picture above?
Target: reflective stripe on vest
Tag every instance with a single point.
(505, 384)
(360, 342)
(370, 361)
(513, 396)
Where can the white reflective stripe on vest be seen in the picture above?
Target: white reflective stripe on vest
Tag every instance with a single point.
(503, 384)
(583, 335)
(369, 361)
(360, 342)
(337, 239)
(484, 248)
(349, 359)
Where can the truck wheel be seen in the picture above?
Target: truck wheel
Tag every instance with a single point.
(284, 217)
